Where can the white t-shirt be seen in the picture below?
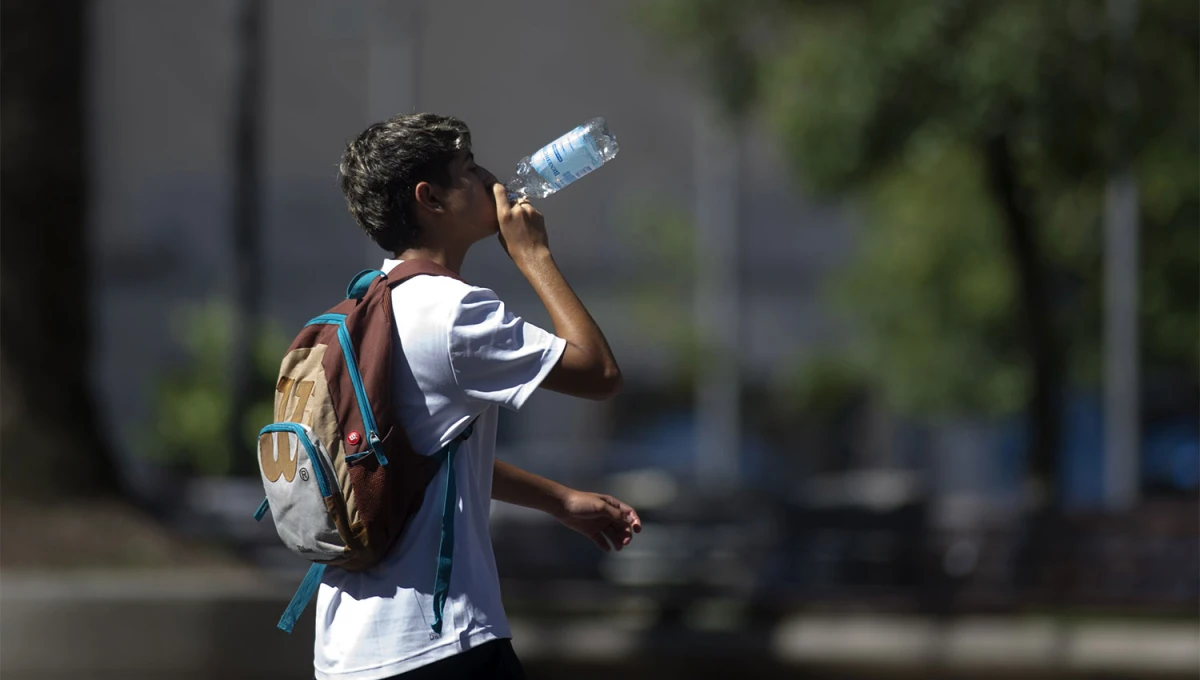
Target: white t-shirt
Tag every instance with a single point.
(460, 355)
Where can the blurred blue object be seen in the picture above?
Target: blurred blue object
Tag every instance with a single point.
(1171, 456)
(1081, 466)
(670, 444)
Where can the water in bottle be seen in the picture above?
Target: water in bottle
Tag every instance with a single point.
(563, 161)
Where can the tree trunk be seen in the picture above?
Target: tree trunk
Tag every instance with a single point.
(247, 242)
(49, 433)
(1040, 338)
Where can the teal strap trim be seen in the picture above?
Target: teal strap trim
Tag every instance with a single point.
(361, 283)
(445, 562)
(262, 510)
(360, 390)
(327, 319)
(300, 600)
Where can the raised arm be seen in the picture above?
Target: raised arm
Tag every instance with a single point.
(587, 368)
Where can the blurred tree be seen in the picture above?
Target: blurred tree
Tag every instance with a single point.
(50, 437)
(660, 236)
(195, 399)
(977, 138)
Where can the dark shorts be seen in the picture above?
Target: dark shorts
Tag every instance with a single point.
(494, 660)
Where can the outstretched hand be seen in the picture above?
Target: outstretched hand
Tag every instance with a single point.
(601, 518)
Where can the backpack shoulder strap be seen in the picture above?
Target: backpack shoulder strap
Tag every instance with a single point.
(361, 283)
(404, 271)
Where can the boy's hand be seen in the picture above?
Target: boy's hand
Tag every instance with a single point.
(598, 517)
(522, 227)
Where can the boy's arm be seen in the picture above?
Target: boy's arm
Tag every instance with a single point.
(596, 516)
(587, 368)
(513, 485)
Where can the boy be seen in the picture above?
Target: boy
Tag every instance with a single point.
(413, 185)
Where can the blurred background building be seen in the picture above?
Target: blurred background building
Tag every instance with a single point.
(906, 295)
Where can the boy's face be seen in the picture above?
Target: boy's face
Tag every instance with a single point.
(469, 199)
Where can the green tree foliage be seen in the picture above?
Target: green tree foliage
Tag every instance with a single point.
(974, 141)
(194, 405)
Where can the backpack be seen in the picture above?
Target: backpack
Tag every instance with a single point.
(341, 478)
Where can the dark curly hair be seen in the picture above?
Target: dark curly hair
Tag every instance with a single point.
(381, 168)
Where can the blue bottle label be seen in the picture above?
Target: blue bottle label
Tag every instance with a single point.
(567, 158)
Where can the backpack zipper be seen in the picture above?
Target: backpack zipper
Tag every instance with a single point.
(360, 391)
(318, 463)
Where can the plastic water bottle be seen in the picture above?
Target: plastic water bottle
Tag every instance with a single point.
(563, 161)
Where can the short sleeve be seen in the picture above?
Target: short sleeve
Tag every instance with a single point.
(497, 357)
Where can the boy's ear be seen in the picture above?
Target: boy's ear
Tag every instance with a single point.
(428, 197)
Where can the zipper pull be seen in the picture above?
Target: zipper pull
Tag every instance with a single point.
(376, 445)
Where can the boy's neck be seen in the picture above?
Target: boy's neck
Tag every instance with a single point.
(451, 259)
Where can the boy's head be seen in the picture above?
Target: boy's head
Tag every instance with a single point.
(412, 181)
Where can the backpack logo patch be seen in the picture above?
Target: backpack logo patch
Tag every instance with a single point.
(282, 462)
